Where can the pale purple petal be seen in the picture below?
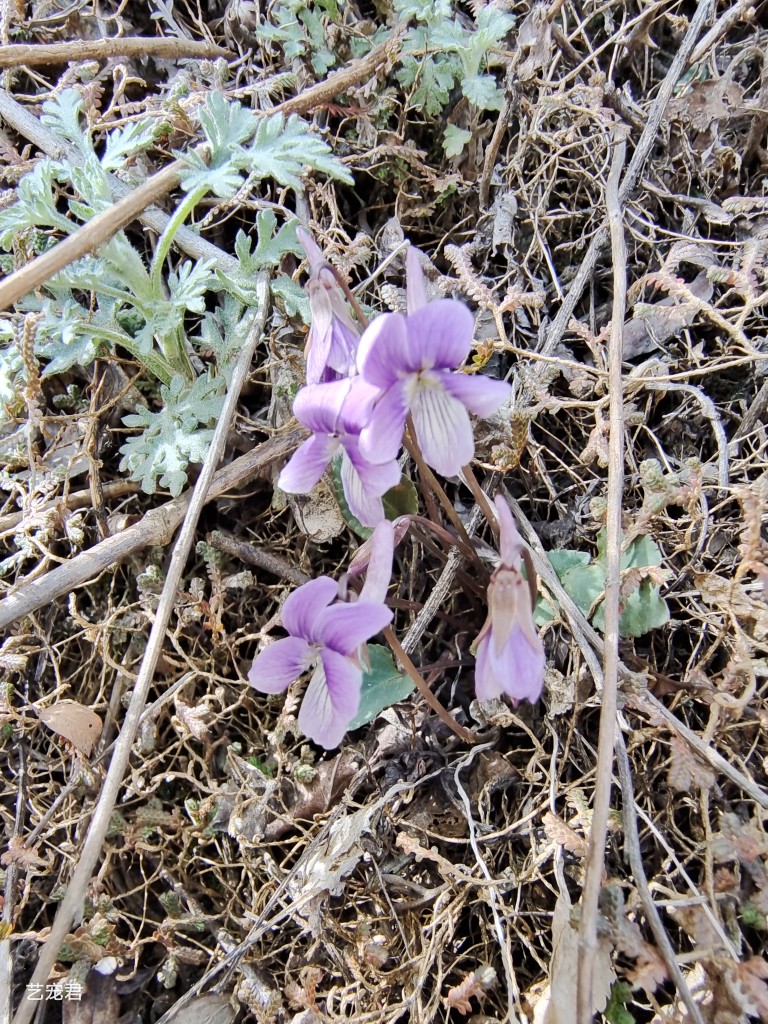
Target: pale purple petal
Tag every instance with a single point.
(509, 539)
(318, 406)
(364, 504)
(380, 441)
(331, 701)
(439, 335)
(415, 291)
(343, 351)
(518, 669)
(358, 405)
(443, 430)
(279, 664)
(311, 248)
(479, 394)
(487, 685)
(382, 547)
(376, 477)
(383, 352)
(304, 607)
(307, 464)
(318, 343)
(344, 627)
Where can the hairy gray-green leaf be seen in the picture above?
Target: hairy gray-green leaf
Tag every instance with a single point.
(383, 686)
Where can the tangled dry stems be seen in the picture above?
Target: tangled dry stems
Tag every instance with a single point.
(406, 864)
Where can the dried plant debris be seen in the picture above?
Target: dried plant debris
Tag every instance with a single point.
(324, 844)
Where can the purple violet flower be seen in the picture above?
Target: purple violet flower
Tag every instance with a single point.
(332, 341)
(510, 654)
(411, 359)
(336, 413)
(327, 637)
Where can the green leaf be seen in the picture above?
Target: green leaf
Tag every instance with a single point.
(401, 500)
(616, 1011)
(172, 438)
(383, 686)
(584, 581)
(455, 139)
(645, 610)
(62, 115)
(483, 91)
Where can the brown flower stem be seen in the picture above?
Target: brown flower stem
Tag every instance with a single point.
(358, 309)
(481, 498)
(446, 537)
(434, 485)
(424, 690)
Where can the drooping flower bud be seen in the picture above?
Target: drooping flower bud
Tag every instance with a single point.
(331, 348)
(510, 654)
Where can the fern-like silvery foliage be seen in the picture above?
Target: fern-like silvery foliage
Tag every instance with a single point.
(277, 148)
(299, 29)
(115, 301)
(443, 50)
(175, 436)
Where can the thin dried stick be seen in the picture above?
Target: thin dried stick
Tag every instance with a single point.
(72, 902)
(609, 702)
(29, 126)
(424, 690)
(632, 846)
(77, 499)
(723, 24)
(261, 559)
(31, 54)
(89, 237)
(157, 527)
(355, 73)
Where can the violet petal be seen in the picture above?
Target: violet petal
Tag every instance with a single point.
(382, 547)
(318, 406)
(380, 441)
(439, 335)
(344, 627)
(305, 606)
(487, 684)
(279, 664)
(415, 290)
(479, 394)
(331, 701)
(443, 430)
(384, 350)
(510, 544)
(364, 504)
(307, 464)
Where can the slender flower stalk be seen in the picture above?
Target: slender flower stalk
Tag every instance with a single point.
(510, 654)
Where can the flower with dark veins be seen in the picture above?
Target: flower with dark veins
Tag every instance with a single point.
(327, 636)
(412, 360)
(510, 654)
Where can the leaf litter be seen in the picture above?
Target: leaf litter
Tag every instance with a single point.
(345, 885)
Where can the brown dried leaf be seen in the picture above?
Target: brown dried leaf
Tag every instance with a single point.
(685, 769)
(747, 986)
(475, 984)
(75, 722)
(561, 833)
(24, 857)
